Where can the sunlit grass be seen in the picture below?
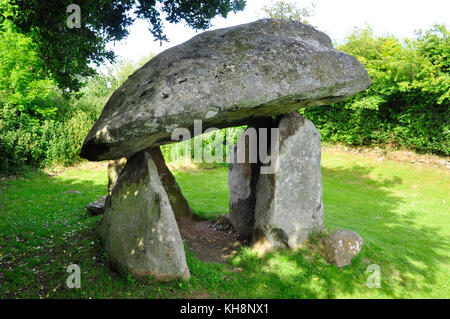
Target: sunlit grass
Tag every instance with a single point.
(400, 210)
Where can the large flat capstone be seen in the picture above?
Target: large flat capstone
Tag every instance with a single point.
(224, 77)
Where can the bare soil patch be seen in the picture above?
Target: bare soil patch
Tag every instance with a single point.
(210, 241)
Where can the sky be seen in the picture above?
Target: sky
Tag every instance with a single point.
(337, 18)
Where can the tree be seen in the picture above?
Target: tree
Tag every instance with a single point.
(408, 103)
(24, 84)
(433, 46)
(285, 10)
(69, 53)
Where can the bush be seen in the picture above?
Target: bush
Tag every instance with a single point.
(25, 143)
(407, 104)
(39, 124)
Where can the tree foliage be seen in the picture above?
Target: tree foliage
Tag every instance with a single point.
(69, 53)
(408, 102)
(24, 83)
(39, 124)
(285, 10)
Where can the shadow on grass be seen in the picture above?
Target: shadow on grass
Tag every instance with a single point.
(408, 253)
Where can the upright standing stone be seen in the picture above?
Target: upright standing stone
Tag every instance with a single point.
(289, 202)
(114, 169)
(179, 204)
(242, 180)
(139, 229)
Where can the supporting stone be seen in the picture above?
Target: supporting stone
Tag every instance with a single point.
(179, 204)
(242, 180)
(139, 229)
(289, 202)
(114, 169)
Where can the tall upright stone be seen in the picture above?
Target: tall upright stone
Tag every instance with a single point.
(139, 229)
(243, 174)
(114, 169)
(289, 204)
(180, 205)
(242, 178)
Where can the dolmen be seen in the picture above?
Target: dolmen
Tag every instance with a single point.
(258, 74)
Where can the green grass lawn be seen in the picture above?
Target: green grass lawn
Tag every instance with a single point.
(400, 210)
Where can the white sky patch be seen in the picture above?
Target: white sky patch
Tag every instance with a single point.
(337, 18)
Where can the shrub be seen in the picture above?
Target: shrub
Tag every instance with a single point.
(408, 102)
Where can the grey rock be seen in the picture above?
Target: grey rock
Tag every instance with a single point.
(224, 77)
(342, 246)
(179, 204)
(289, 203)
(73, 192)
(114, 169)
(242, 186)
(97, 207)
(139, 229)
(242, 181)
